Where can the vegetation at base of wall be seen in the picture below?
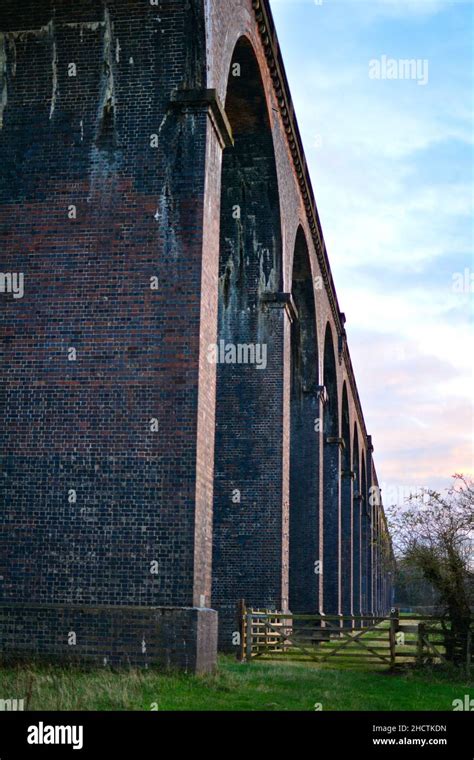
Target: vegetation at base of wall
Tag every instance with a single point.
(255, 686)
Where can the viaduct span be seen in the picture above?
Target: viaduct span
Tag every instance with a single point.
(180, 423)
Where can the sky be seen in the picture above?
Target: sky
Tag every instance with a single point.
(390, 152)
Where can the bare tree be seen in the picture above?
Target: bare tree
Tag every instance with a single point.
(434, 533)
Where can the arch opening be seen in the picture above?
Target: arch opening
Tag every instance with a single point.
(304, 526)
(331, 485)
(357, 501)
(346, 512)
(248, 489)
(365, 544)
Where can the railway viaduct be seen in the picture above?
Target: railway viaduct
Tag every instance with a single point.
(180, 422)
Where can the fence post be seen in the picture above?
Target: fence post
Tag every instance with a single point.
(394, 621)
(241, 628)
(248, 634)
(468, 653)
(420, 644)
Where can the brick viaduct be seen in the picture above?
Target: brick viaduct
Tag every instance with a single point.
(155, 196)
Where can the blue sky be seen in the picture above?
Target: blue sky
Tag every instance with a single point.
(391, 163)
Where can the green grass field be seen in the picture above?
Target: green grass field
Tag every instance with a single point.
(255, 686)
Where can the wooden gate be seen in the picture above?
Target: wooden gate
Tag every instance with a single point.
(357, 640)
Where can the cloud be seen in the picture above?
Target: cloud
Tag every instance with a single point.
(422, 432)
(391, 166)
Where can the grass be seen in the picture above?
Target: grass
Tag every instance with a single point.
(256, 686)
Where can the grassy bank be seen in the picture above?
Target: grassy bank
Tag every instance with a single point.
(255, 686)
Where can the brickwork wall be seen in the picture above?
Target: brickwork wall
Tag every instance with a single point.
(184, 638)
(107, 496)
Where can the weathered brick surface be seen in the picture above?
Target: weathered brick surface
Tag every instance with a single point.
(114, 206)
(183, 638)
(84, 425)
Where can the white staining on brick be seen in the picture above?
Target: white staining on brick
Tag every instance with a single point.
(164, 215)
(374, 496)
(91, 26)
(268, 265)
(87, 514)
(81, 124)
(118, 50)
(54, 67)
(12, 48)
(163, 122)
(202, 600)
(71, 639)
(154, 425)
(236, 497)
(154, 567)
(108, 94)
(3, 78)
(71, 355)
(155, 136)
(72, 496)
(22, 34)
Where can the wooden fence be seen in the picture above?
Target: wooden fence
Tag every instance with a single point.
(357, 639)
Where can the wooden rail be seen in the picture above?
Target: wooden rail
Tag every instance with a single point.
(371, 639)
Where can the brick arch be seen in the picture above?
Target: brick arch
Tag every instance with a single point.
(248, 490)
(331, 481)
(346, 507)
(249, 185)
(330, 376)
(304, 523)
